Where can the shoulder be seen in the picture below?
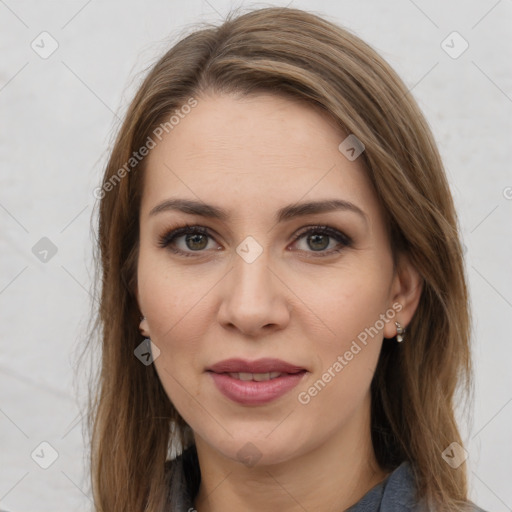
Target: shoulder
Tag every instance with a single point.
(400, 493)
(397, 493)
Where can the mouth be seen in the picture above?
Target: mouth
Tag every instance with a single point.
(257, 377)
(259, 367)
(255, 382)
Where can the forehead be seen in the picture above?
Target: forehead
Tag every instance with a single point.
(254, 151)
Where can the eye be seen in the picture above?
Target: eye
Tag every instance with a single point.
(195, 239)
(319, 238)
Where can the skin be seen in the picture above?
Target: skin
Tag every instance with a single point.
(253, 156)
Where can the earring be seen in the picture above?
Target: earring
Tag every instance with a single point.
(400, 331)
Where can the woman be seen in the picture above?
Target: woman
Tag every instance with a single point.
(284, 313)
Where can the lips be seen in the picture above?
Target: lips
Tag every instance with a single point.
(255, 382)
(259, 366)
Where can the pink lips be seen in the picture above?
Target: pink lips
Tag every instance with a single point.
(273, 379)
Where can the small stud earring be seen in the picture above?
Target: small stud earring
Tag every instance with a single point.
(400, 331)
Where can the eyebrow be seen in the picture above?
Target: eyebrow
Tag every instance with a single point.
(286, 213)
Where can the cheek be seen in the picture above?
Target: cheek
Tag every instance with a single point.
(343, 374)
(169, 295)
(346, 301)
(175, 323)
(345, 335)
(179, 364)
(171, 302)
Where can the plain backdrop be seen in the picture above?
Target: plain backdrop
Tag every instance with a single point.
(59, 112)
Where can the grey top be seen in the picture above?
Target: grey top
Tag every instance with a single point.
(396, 493)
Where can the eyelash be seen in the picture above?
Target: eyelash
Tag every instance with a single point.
(169, 237)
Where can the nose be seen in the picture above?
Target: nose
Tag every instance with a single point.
(254, 299)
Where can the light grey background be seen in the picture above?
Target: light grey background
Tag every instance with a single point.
(58, 115)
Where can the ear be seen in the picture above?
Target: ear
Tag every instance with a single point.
(405, 294)
(144, 327)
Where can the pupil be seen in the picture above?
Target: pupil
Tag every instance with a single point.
(317, 242)
(194, 238)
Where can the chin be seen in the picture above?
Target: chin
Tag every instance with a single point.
(258, 449)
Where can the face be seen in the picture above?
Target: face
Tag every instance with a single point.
(259, 307)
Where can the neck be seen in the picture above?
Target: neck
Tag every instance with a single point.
(332, 476)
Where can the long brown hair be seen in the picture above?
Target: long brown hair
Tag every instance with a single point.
(288, 51)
